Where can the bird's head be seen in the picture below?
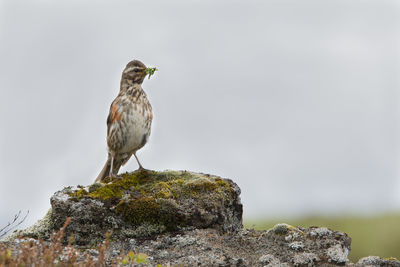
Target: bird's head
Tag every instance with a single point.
(135, 71)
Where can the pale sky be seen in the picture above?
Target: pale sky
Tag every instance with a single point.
(296, 101)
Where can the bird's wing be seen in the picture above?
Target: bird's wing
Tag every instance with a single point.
(115, 113)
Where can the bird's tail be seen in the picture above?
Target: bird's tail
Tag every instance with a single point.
(120, 161)
(104, 172)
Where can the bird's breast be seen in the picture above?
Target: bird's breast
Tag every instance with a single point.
(133, 128)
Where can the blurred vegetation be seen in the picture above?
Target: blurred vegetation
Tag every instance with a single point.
(54, 253)
(371, 236)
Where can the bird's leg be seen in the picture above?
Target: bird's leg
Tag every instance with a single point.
(112, 165)
(140, 165)
(112, 175)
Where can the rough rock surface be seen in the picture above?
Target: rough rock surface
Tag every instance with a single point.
(185, 219)
(143, 204)
(279, 246)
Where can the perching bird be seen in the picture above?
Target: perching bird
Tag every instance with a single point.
(129, 120)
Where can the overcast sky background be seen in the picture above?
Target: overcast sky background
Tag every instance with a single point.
(296, 101)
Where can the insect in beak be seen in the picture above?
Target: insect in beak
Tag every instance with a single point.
(150, 71)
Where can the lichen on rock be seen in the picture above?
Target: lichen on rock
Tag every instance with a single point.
(182, 218)
(41, 229)
(145, 203)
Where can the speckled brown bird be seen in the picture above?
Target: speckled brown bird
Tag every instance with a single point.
(129, 121)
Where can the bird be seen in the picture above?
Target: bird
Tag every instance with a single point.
(128, 122)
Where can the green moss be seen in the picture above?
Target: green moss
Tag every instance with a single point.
(79, 193)
(168, 184)
(147, 211)
(176, 181)
(94, 187)
(105, 193)
(390, 259)
(201, 184)
(281, 229)
(224, 184)
(163, 190)
(140, 210)
(150, 198)
(164, 194)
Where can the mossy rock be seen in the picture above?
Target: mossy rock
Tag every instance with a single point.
(145, 203)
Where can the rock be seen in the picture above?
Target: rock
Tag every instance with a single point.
(41, 229)
(179, 218)
(268, 260)
(305, 259)
(293, 246)
(296, 245)
(338, 254)
(377, 261)
(280, 229)
(143, 204)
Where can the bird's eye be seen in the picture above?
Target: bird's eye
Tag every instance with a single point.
(136, 70)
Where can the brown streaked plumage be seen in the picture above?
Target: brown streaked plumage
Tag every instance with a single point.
(128, 122)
